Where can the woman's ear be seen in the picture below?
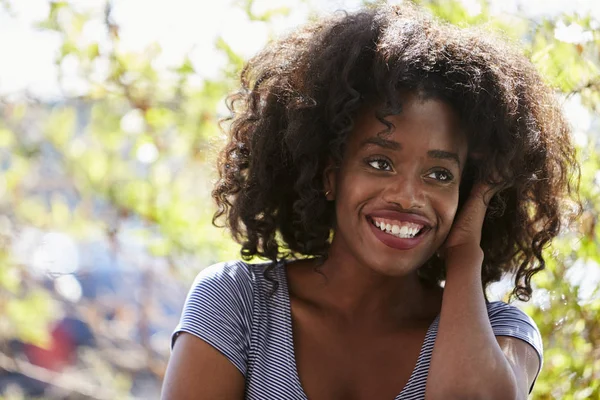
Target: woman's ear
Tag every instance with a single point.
(329, 179)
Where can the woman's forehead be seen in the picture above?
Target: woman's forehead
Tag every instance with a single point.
(421, 120)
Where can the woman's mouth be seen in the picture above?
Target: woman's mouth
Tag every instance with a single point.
(400, 235)
(400, 229)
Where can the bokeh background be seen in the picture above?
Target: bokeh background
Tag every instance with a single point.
(108, 136)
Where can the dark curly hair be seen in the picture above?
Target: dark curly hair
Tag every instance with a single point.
(300, 96)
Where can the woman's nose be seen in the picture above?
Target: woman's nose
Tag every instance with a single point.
(405, 192)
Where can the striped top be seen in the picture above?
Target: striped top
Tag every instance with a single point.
(230, 307)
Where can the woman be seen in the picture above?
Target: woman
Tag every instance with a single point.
(390, 167)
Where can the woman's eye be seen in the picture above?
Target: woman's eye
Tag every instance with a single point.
(442, 176)
(380, 164)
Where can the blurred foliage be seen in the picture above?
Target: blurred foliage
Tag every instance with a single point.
(128, 154)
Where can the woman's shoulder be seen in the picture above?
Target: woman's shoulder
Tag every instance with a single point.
(235, 270)
(503, 310)
(509, 320)
(219, 309)
(232, 276)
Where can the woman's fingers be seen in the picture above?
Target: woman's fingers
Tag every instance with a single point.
(469, 221)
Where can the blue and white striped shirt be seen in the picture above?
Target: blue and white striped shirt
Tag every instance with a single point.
(230, 306)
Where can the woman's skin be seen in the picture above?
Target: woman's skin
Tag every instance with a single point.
(360, 322)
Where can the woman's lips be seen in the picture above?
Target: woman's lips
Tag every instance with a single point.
(396, 242)
(401, 217)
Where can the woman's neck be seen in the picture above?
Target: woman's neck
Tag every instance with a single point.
(357, 293)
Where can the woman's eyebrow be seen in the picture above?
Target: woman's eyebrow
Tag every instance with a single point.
(393, 145)
(444, 155)
(379, 141)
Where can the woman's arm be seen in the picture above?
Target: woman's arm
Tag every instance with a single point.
(198, 371)
(468, 361)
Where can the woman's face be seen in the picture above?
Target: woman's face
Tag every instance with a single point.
(396, 194)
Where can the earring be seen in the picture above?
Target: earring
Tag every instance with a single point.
(327, 193)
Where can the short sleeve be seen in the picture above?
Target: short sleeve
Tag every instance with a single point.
(218, 310)
(508, 320)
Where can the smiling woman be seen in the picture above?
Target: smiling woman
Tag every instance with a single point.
(406, 177)
(371, 157)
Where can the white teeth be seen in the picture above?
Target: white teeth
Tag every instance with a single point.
(404, 231)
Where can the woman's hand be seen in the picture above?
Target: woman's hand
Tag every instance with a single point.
(463, 242)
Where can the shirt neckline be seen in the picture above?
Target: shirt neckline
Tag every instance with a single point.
(289, 345)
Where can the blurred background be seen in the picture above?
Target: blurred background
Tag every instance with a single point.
(108, 136)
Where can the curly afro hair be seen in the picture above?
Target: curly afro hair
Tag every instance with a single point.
(300, 96)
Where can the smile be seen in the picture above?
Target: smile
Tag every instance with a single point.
(399, 235)
(400, 229)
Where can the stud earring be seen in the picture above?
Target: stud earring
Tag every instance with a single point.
(327, 193)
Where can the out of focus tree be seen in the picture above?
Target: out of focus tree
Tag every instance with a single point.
(126, 155)
(123, 158)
